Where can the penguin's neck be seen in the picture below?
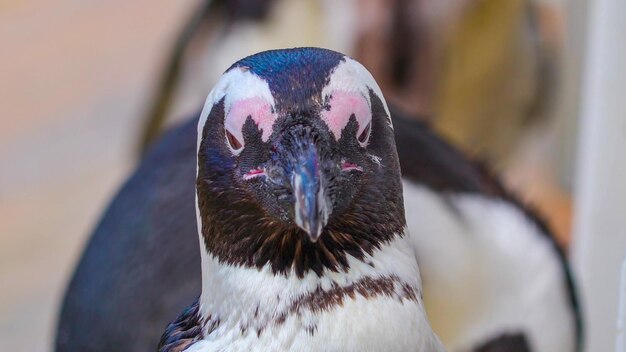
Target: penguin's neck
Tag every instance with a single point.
(236, 295)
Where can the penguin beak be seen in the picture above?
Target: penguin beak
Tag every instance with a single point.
(297, 156)
(311, 210)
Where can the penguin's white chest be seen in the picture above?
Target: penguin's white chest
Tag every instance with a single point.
(376, 305)
(360, 324)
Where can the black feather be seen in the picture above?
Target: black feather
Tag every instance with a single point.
(182, 332)
(506, 343)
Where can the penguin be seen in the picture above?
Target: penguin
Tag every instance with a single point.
(304, 243)
(493, 277)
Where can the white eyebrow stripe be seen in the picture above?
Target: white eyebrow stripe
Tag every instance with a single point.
(351, 76)
(236, 84)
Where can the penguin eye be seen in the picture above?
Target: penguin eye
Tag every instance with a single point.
(365, 134)
(235, 145)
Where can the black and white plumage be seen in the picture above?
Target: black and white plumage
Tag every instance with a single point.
(455, 212)
(502, 283)
(300, 211)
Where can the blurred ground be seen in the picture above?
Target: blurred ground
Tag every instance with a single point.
(73, 79)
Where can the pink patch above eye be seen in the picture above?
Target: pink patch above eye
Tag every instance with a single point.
(258, 108)
(342, 106)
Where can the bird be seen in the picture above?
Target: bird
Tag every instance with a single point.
(493, 277)
(300, 214)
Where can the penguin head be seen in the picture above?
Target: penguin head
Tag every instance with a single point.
(297, 165)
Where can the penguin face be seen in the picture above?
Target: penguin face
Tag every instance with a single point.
(297, 163)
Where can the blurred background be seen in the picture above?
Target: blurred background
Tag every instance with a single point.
(534, 87)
